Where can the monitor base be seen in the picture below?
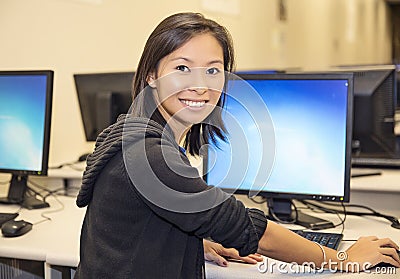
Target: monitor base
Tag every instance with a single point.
(34, 203)
(28, 202)
(280, 210)
(312, 222)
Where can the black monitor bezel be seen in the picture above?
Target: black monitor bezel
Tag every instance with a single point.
(47, 122)
(349, 124)
(88, 85)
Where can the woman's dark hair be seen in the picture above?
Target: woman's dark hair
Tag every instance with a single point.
(172, 33)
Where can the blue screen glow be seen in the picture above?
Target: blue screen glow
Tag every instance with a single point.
(309, 119)
(22, 118)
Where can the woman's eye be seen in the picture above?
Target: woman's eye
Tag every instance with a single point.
(213, 71)
(183, 68)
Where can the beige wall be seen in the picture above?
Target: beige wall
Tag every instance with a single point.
(78, 36)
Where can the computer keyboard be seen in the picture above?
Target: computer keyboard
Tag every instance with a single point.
(331, 240)
(4, 217)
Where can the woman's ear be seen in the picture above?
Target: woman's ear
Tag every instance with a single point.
(151, 80)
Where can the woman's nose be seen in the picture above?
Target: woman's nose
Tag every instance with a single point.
(200, 90)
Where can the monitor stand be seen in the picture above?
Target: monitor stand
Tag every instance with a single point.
(17, 194)
(280, 210)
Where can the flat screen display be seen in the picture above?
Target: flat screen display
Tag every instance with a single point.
(309, 115)
(24, 125)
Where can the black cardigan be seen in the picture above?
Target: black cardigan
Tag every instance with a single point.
(128, 232)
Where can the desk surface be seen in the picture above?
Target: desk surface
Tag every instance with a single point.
(388, 181)
(57, 241)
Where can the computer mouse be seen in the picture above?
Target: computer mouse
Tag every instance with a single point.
(383, 264)
(14, 228)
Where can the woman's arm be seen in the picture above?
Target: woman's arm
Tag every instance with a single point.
(217, 253)
(284, 245)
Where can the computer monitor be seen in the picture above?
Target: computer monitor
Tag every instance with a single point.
(25, 120)
(102, 97)
(375, 143)
(305, 155)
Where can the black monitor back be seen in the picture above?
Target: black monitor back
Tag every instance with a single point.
(374, 110)
(102, 97)
(375, 143)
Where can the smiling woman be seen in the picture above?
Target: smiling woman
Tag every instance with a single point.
(178, 94)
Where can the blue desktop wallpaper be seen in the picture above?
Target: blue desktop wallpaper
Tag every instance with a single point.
(309, 125)
(22, 113)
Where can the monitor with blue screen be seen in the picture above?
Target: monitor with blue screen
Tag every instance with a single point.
(310, 150)
(25, 114)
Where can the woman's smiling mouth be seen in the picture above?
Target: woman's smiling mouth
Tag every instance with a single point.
(193, 104)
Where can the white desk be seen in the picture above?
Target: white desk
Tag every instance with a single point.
(388, 181)
(381, 192)
(55, 243)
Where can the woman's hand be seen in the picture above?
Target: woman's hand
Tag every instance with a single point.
(373, 250)
(217, 253)
(284, 245)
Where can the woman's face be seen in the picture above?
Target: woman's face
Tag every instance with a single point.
(189, 81)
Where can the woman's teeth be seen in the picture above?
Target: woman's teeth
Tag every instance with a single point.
(193, 103)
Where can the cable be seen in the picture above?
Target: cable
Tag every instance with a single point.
(264, 200)
(32, 193)
(345, 216)
(35, 193)
(395, 222)
(47, 218)
(65, 164)
(72, 164)
(54, 192)
(41, 187)
(313, 206)
(75, 168)
(308, 205)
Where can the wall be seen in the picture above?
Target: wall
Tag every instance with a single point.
(81, 36)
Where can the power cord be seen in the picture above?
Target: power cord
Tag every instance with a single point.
(395, 222)
(308, 205)
(44, 197)
(312, 206)
(264, 200)
(62, 189)
(42, 188)
(72, 164)
(44, 214)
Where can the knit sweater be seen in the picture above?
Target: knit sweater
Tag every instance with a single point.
(131, 232)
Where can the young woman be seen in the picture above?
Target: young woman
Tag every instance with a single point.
(148, 210)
